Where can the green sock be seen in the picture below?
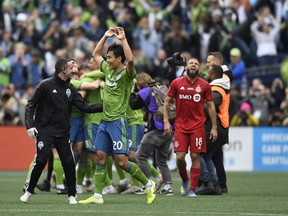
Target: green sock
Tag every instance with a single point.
(29, 171)
(120, 171)
(90, 169)
(135, 182)
(109, 167)
(153, 170)
(100, 177)
(135, 172)
(58, 169)
(107, 181)
(80, 172)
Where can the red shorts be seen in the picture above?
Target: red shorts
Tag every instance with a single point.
(195, 140)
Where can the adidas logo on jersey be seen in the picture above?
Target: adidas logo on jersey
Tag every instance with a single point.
(54, 91)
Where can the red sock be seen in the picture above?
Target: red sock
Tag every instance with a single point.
(194, 178)
(183, 174)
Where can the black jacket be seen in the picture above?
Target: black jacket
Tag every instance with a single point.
(51, 103)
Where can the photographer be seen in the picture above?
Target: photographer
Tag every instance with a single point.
(244, 117)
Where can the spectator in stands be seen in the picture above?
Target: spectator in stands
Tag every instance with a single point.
(262, 104)
(5, 70)
(265, 31)
(244, 117)
(237, 66)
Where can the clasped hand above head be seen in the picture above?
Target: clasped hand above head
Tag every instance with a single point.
(116, 31)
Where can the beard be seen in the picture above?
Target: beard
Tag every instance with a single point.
(192, 75)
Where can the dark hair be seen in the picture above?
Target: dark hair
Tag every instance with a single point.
(117, 50)
(61, 64)
(217, 70)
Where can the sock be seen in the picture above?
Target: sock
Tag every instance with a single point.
(194, 177)
(107, 181)
(90, 171)
(120, 171)
(109, 164)
(183, 174)
(153, 170)
(80, 172)
(58, 169)
(100, 177)
(135, 182)
(135, 172)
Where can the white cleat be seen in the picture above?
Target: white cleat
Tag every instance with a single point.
(72, 200)
(25, 197)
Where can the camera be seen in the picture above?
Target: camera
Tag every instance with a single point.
(176, 60)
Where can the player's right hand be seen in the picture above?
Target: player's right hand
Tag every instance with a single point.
(32, 132)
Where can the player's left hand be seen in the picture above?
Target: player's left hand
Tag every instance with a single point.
(120, 33)
(213, 134)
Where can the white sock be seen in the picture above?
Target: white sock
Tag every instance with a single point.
(97, 196)
(60, 186)
(148, 185)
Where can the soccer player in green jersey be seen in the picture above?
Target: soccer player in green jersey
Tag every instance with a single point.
(112, 132)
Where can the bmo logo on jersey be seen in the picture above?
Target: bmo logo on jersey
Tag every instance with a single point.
(185, 97)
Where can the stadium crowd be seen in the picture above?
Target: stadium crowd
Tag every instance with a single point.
(35, 33)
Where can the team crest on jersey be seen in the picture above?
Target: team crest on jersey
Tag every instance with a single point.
(40, 145)
(198, 89)
(197, 97)
(176, 144)
(86, 143)
(68, 92)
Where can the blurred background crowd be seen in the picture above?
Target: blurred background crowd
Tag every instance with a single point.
(251, 34)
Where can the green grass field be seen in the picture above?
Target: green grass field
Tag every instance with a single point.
(262, 194)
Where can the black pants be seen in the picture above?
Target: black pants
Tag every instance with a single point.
(219, 166)
(43, 148)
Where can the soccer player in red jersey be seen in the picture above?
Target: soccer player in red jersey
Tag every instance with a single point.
(190, 93)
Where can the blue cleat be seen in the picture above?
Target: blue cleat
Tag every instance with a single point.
(184, 187)
(192, 194)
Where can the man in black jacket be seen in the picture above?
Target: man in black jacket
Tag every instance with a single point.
(51, 104)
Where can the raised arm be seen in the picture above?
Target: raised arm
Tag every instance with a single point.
(127, 50)
(97, 53)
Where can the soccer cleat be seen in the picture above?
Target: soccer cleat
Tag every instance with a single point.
(60, 191)
(224, 190)
(72, 200)
(109, 190)
(184, 188)
(44, 186)
(122, 187)
(192, 194)
(151, 193)
(166, 192)
(141, 191)
(25, 197)
(92, 200)
(131, 190)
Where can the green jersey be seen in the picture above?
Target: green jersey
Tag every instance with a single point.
(92, 97)
(117, 92)
(75, 111)
(135, 116)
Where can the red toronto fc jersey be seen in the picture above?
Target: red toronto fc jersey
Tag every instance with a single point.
(190, 99)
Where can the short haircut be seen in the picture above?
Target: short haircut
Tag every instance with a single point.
(61, 64)
(117, 50)
(218, 56)
(217, 70)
